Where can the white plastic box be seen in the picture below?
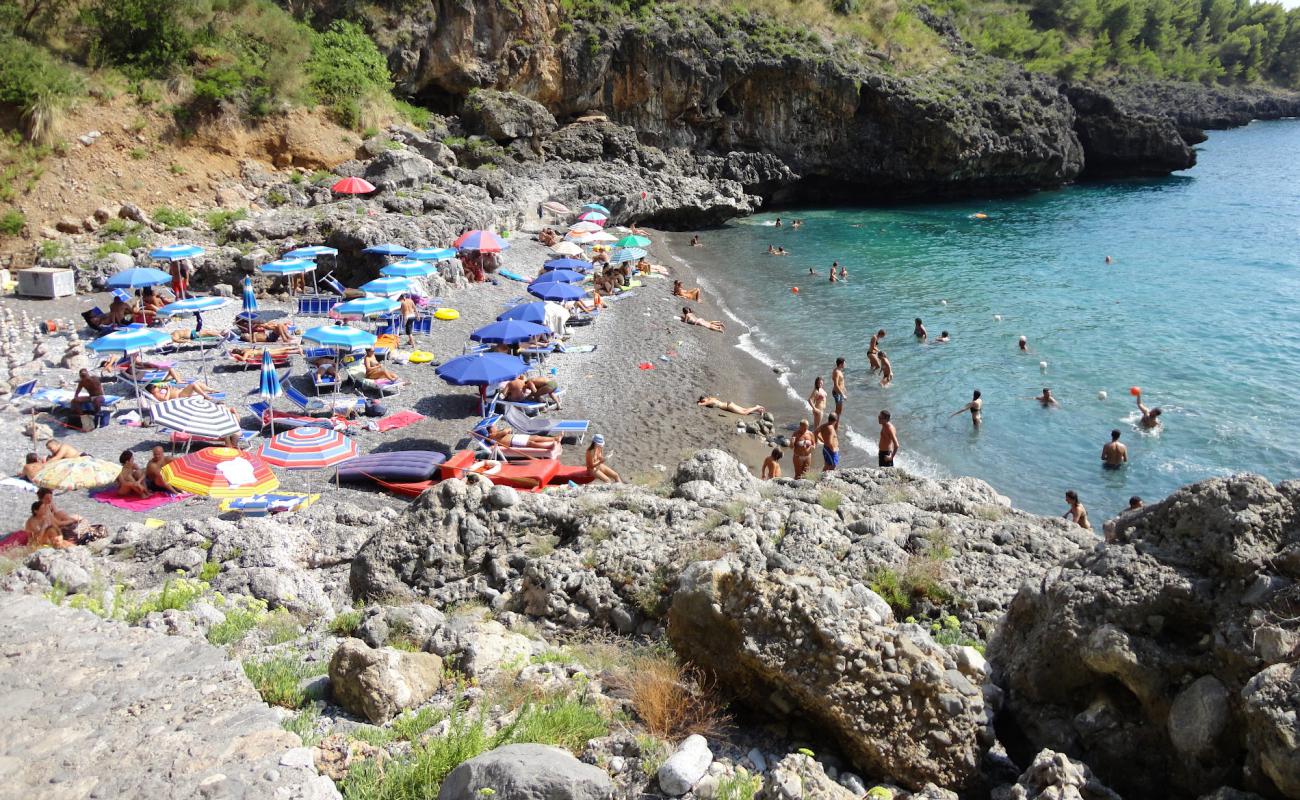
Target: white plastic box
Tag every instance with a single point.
(46, 282)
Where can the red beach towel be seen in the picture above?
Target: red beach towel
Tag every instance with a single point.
(15, 539)
(399, 420)
(149, 503)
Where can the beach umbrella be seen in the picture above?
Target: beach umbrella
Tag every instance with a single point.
(387, 249)
(433, 254)
(575, 264)
(311, 252)
(633, 241)
(130, 340)
(596, 207)
(627, 254)
(288, 266)
(526, 312)
(567, 249)
(407, 269)
(192, 305)
(221, 472)
(481, 370)
(366, 307)
(600, 237)
(249, 312)
(268, 383)
(175, 252)
(342, 336)
(559, 292)
(482, 241)
(195, 416)
(584, 227)
(556, 207)
(77, 473)
(593, 216)
(510, 331)
(308, 448)
(138, 276)
(387, 286)
(353, 186)
(560, 276)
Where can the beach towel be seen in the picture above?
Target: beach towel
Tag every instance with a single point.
(270, 503)
(141, 504)
(512, 275)
(401, 419)
(15, 539)
(19, 484)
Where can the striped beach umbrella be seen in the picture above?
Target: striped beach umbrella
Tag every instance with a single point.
(249, 311)
(195, 416)
(627, 254)
(288, 266)
(556, 207)
(433, 254)
(175, 252)
(221, 472)
(560, 276)
(366, 307)
(593, 216)
(386, 286)
(308, 448)
(600, 237)
(353, 186)
(311, 252)
(77, 473)
(343, 336)
(482, 241)
(596, 207)
(268, 383)
(407, 269)
(558, 292)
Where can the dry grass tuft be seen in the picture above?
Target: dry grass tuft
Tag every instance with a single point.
(674, 701)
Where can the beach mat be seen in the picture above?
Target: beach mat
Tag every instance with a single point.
(401, 419)
(514, 276)
(15, 539)
(19, 484)
(149, 503)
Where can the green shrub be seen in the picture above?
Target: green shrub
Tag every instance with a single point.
(345, 70)
(240, 619)
(176, 594)
(171, 218)
(146, 36)
(12, 222)
(276, 198)
(37, 84)
(281, 627)
(410, 724)
(278, 679)
(739, 786)
(139, 153)
(830, 499)
(567, 723)
(133, 241)
(220, 221)
(416, 115)
(345, 624)
(51, 249)
(420, 774)
(304, 725)
(209, 570)
(115, 227)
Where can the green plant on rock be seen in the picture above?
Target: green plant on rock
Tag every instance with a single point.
(280, 627)
(171, 218)
(51, 249)
(242, 616)
(830, 499)
(304, 725)
(346, 624)
(176, 594)
(739, 786)
(279, 679)
(12, 222)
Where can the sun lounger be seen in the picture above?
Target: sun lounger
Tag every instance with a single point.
(490, 449)
(530, 475)
(259, 505)
(356, 372)
(283, 420)
(323, 405)
(179, 439)
(393, 467)
(317, 305)
(537, 426)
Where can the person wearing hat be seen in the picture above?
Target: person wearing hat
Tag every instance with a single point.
(596, 466)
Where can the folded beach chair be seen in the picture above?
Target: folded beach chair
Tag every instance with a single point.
(317, 305)
(568, 428)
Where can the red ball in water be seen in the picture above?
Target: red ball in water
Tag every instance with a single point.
(1135, 391)
(794, 290)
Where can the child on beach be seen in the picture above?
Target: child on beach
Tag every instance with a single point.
(886, 369)
(772, 465)
(596, 466)
(817, 402)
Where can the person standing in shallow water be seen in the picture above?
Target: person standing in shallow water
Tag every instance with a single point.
(919, 330)
(1114, 454)
(838, 394)
(873, 350)
(975, 407)
(817, 402)
(888, 440)
(1076, 513)
(829, 434)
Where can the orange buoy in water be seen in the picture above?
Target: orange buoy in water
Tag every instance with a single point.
(1135, 391)
(794, 290)
(980, 215)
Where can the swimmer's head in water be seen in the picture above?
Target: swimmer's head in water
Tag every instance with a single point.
(943, 334)
(1155, 412)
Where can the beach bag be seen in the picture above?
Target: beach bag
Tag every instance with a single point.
(374, 408)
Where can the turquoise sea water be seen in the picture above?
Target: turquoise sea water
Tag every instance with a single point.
(1200, 309)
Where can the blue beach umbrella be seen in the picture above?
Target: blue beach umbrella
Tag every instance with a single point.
(192, 305)
(627, 254)
(175, 252)
(576, 264)
(526, 312)
(311, 252)
(386, 286)
(560, 276)
(138, 276)
(407, 269)
(130, 340)
(558, 292)
(597, 207)
(288, 266)
(268, 385)
(249, 312)
(433, 254)
(387, 249)
(510, 331)
(342, 336)
(481, 370)
(366, 307)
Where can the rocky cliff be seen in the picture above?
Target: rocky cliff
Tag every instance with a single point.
(847, 126)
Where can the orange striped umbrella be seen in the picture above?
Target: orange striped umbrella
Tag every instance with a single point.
(221, 472)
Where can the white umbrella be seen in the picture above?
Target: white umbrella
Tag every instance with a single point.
(567, 249)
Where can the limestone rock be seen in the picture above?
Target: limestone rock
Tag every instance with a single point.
(526, 772)
(394, 169)
(1053, 776)
(505, 116)
(1272, 712)
(801, 777)
(685, 766)
(378, 684)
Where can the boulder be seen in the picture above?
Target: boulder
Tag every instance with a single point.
(377, 684)
(398, 168)
(526, 772)
(505, 116)
(1053, 776)
(828, 653)
(801, 777)
(685, 766)
(1158, 658)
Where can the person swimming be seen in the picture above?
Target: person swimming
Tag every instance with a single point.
(1046, 400)
(1150, 416)
(1023, 345)
(919, 330)
(943, 338)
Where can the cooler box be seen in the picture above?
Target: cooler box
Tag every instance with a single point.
(46, 282)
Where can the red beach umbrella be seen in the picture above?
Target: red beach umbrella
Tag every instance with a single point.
(221, 472)
(353, 186)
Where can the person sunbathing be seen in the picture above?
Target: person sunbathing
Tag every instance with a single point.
(41, 530)
(130, 480)
(505, 437)
(138, 369)
(597, 303)
(182, 336)
(326, 369)
(691, 318)
(254, 354)
(683, 292)
(67, 523)
(32, 464)
(119, 313)
(162, 391)
(153, 477)
(734, 408)
(268, 332)
(597, 467)
(374, 370)
(61, 450)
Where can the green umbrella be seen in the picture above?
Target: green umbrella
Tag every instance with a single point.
(632, 241)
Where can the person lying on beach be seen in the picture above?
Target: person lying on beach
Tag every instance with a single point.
(153, 477)
(597, 303)
(250, 354)
(505, 437)
(374, 370)
(975, 407)
(61, 450)
(182, 336)
(326, 368)
(1046, 400)
(41, 530)
(886, 369)
(646, 268)
(162, 391)
(1150, 416)
(32, 464)
(268, 332)
(772, 465)
(597, 467)
(691, 318)
(734, 408)
(688, 294)
(139, 367)
(130, 480)
(94, 390)
(801, 449)
(873, 350)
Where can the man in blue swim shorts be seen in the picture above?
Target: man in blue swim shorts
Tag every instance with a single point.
(829, 435)
(837, 387)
